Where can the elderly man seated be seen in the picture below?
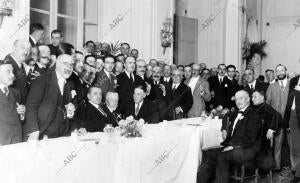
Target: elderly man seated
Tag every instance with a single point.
(110, 108)
(241, 133)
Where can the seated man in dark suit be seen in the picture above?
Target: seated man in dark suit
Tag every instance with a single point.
(95, 117)
(271, 118)
(240, 131)
(180, 98)
(242, 137)
(11, 113)
(110, 108)
(141, 107)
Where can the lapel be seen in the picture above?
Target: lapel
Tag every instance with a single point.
(199, 82)
(141, 109)
(54, 90)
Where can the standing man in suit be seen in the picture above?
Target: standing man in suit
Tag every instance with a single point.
(56, 38)
(110, 108)
(167, 79)
(200, 91)
(270, 76)
(217, 87)
(49, 107)
(142, 108)
(95, 117)
(36, 34)
(140, 72)
(16, 59)
(11, 112)
(292, 120)
(231, 86)
(241, 137)
(105, 79)
(277, 96)
(180, 98)
(253, 84)
(126, 84)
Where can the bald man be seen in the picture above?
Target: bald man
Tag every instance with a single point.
(241, 137)
(16, 59)
(49, 107)
(241, 132)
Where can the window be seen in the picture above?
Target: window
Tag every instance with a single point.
(77, 19)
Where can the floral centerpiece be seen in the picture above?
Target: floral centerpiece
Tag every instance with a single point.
(131, 127)
(219, 112)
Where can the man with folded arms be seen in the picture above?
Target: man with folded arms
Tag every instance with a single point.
(11, 113)
(49, 107)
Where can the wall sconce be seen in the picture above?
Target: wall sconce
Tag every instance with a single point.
(6, 9)
(166, 34)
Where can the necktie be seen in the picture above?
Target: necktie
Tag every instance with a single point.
(251, 87)
(131, 78)
(174, 88)
(5, 91)
(137, 109)
(221, 81)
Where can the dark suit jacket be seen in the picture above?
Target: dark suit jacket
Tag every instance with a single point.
(292, 94)
(259, 86)
(271, 119)
(112, 117)
(125, 88)
(147, 111)
(20, 78)
(10, 123)
(94, 119)
(106, 84)
(219, 89)
(181, 97)
(42, 103)
(247, 131)
(231, 87)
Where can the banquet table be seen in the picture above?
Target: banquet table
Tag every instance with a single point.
(167, 152)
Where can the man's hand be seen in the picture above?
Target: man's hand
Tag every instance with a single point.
(297, 88)
(224, 134)
(178, 110)
(33, 136)
(229, 148)
(70, 108)
(35, 74)
(21, 109)
(201, 88)
(82, 131)
(270, 134)
(163, 88)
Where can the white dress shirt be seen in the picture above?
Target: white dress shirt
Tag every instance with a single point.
(61, 83)
(193, 82)
(252, 84)
(237, 119)
(175, 86)
(167, 79)
(107, 73)
(32, 38)
(128, 74)
(27, 68)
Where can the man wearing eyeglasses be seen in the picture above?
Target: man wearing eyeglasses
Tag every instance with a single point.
(49, 102)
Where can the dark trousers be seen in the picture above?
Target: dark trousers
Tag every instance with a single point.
(226, 159)
(207, 169)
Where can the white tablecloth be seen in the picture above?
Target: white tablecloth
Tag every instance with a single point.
(167, 152)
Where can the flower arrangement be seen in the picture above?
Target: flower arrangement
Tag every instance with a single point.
(219, 112)
(131, 127)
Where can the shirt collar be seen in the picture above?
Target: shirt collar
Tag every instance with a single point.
(273, 81)
(2, 87)
(16, 60)
(253, 83)
(107, 73)
(220, 77)
(109, 109)
(140, 104)
(243, 110)
(176, 85)
(128, 74)
(59, 77)
(40, 65)
(33, 39)
(95, 105)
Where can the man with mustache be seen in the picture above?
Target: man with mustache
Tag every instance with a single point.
(277, 96)
(49, 107)
(16, 59)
